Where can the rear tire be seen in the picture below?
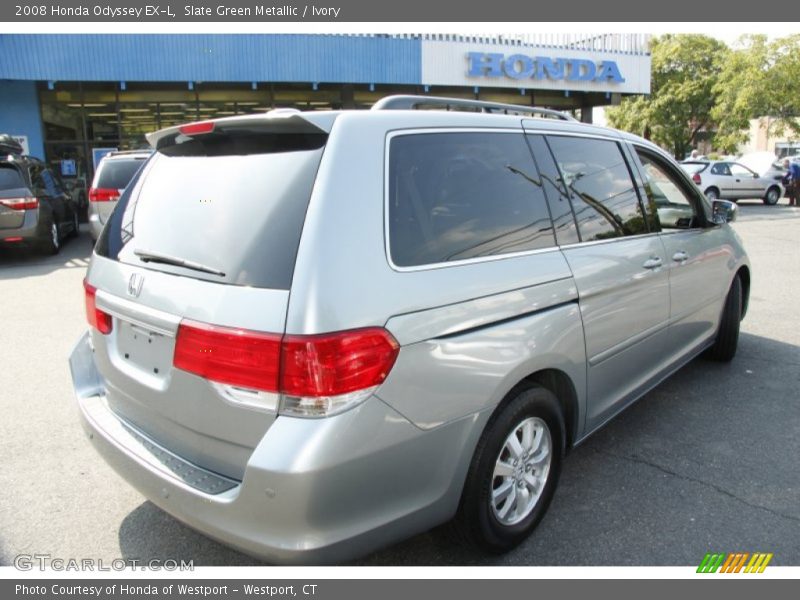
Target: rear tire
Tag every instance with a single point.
(712, 194)
(724, 348)
(514, 472)
(76, 227)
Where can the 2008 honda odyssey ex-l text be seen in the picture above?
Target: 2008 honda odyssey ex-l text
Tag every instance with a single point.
(314, 334)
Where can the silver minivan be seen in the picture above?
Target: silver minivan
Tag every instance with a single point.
(315, 334)
(114, 171)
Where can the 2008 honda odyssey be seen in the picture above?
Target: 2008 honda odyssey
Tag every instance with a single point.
(314, 334)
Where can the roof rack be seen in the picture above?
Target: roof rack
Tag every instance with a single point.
(403, 102)
(124, 152)
(8, 145)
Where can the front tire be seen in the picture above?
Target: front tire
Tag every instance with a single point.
(514, 471)
(772, 196)
(76, 227)
(724, 348)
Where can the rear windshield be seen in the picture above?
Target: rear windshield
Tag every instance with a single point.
(233, 218)
(10, 178)
(692, 168)
(117, 173)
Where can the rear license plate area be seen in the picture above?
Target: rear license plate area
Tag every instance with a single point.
(147, 351)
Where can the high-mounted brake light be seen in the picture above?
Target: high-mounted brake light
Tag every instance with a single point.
(317, 375)
(696, 178)
(97, 318)
(24, 203)
(103, 195)
(197, 128)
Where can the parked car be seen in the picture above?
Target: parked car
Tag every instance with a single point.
(315, 334)
(733, 181)
(114, 172)
(35, 211)
(766, 165)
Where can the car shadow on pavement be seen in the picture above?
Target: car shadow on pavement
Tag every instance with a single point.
(704, 462)
(16, 263)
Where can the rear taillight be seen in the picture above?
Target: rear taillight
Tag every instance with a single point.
(237, 357)
(696, 178)
(316, 375)
(97, 318)
(103, 195)
(336, 363)
(24, 203)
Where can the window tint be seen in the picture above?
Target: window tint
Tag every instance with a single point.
(241, 215)
(673, 205)
(603, 195)
(560, 208)
(10, 178)
(455, 196)
(116, 174)
(720, 169)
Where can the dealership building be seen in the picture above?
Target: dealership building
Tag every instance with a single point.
(71, 98)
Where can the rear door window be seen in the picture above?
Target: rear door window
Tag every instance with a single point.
(230, 214)
(464, 195)
(600, 187)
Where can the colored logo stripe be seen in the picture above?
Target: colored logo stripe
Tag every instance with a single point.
(734, 562)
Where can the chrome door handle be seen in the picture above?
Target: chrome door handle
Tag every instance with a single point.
(680, 256)
(652, 263)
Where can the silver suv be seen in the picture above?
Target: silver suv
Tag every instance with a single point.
(314, 334)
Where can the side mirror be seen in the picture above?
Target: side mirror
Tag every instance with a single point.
(723, 211)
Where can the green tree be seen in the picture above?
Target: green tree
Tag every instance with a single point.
(782, 87)
(742, 90)
(685, 70)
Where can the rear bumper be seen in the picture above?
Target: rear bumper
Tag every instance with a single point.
(95, 226)
(97, 215)
(313, 491)
(29, 231)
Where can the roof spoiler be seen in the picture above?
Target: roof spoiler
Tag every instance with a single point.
(278, 121)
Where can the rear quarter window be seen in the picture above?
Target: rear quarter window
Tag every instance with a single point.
(463, 195)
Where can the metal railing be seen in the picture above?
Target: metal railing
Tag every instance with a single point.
(621, 43)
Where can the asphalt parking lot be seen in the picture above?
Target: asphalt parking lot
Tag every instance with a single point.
(708, 461)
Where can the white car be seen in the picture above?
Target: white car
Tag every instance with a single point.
(733, 181)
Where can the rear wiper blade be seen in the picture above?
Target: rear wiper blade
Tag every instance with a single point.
(165, 259)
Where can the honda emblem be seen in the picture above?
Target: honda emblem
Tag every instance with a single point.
(135, 285)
